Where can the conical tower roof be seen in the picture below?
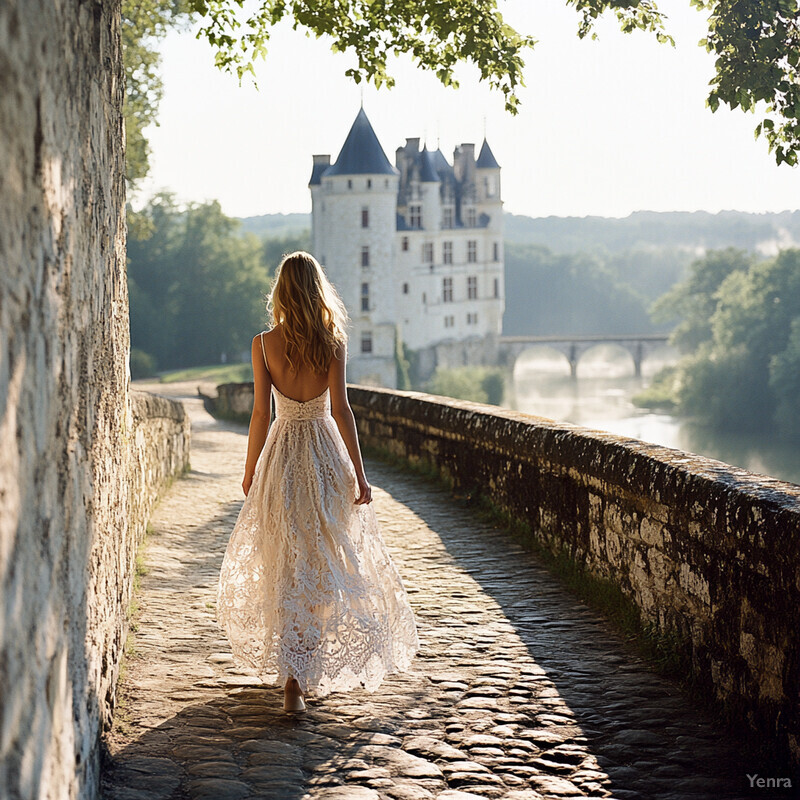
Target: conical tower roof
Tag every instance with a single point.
(486, 159)
(361, 153)
(427, 170)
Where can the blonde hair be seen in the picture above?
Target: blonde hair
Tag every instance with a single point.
(313, 316)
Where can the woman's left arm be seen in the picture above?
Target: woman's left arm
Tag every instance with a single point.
(262, 410)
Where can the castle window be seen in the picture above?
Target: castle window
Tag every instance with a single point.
(472, 251)
(472, 287)
(447, 218)
(490, 185)
(449, 321)
(365, 256)
(496, 251)
(405, 288)
(427, 252)
(424, 298)
(365, 217)
(404, 243)
(365, 297)
(472, 319)
(447, 252)
(386, 183)
(497, 287)
(349, 184)
(366, 341)
(415, 216)
(447, 290)
(369, 183)
(471, 217)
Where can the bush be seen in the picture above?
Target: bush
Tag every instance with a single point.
(479, 384)
(143, 365)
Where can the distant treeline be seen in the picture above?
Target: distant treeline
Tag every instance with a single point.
(692, 231)
(197, 285)
(584, 293)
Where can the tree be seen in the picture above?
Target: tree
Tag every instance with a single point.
(756, 42)
(694, 300)
(197, 286)
(144, 25)
(743, 342)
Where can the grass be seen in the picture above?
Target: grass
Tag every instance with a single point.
(219, 373)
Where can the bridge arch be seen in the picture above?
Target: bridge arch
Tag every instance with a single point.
(573, 347)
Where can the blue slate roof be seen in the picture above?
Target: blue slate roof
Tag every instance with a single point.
(486, 159)
(427, 173)
(361, 152)
(316, 173)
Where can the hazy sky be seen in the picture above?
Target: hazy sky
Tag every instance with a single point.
(606, 127)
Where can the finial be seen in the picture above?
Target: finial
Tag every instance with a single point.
(484, 127)
(362, 97)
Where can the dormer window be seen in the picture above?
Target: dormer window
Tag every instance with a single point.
(471, 219)
(447, 218)
(415, 216)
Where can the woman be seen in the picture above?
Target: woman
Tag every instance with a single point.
(308, 592)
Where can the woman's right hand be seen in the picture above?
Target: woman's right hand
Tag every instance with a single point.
(364, 491)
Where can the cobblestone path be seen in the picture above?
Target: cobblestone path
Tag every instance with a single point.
(519, 690)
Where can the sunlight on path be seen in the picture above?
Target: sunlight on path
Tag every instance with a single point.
(519, 690)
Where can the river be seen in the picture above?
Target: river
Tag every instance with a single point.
(600, 397)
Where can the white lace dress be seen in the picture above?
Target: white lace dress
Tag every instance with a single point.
(307, 587)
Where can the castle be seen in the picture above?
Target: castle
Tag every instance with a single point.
(416, 251)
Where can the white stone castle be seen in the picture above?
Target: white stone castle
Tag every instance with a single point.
(415, 251)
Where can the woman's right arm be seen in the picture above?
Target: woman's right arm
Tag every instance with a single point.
(345, 421)
(260, 418)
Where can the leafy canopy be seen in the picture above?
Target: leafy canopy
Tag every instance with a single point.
(756, 44)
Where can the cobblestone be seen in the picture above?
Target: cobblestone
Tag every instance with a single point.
(519, 691)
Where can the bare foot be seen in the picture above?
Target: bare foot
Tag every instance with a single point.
(293, 696)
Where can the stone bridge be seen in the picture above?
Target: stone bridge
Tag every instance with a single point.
(573, 347)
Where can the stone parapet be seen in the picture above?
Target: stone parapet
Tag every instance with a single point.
(709, 553)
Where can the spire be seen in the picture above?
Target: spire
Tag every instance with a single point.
(361, 153)
(486, 159)
(427, 172)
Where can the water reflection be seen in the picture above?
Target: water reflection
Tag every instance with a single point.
(600, 397)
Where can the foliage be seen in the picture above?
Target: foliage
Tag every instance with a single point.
(694, 300)
(143, 365)
(275, 248)
(757, 45)
(479, 384)
(660, 393)
(784, 380)
(196, 285)
(402, 364)
(575, 293)
(144, 24)
(437, 35)
(740, 331)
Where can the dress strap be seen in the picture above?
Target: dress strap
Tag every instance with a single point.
(263, 353)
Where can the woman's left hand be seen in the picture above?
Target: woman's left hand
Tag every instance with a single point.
(364, 492)
(247, 482)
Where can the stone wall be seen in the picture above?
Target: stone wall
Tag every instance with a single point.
(66, 422)
(707, 551)
(233, 401)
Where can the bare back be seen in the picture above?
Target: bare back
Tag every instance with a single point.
(301, 385)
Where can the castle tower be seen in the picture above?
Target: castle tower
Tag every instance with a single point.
(354, 207)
